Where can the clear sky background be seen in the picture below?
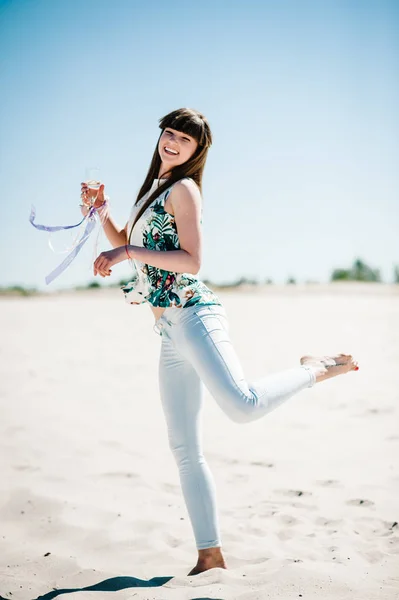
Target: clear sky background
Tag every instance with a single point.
(302, 98)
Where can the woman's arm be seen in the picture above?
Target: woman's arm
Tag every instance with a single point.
(178, 261)
(185, 199)
(116, 236)
(186, 204)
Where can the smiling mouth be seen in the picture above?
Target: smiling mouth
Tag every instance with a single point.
(170, 152)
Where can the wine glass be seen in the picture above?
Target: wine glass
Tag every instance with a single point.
(93, 178)
(93, 183)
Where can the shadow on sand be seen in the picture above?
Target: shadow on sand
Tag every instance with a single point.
(114, 585)
(110, 585)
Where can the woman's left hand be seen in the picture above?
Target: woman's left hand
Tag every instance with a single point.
(104, 262)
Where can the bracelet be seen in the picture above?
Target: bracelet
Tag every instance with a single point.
(104, 206)
(127, 252)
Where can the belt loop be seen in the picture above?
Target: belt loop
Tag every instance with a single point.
(160, 324)
(157, 329)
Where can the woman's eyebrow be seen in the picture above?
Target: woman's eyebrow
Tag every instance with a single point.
(183, 136)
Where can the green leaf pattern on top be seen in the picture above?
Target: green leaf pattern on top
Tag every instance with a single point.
(156, 286)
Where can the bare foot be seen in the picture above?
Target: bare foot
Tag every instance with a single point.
(325, 367)
(210, 558)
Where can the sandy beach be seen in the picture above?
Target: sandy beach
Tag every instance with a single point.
(90, 499)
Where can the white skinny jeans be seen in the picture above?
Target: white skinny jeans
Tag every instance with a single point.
(196, 349)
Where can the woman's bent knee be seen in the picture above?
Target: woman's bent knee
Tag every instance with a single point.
(238, 406)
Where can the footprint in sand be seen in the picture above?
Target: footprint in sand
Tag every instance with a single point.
(330, 483)
(230, 461)
(393, 546)
(10, 431)
(171, 540)
(360, 502)
(323, 522)
(293, 493)
(225, 460)
(243, 477)
(373, 556)
(30, 468)
(288, 521)
(284, 535)
(379, 527)
(296, 494)
(386, 529)
(121, 475)
(388, 410)
(171, 488)
(292, 560)
(111, 444)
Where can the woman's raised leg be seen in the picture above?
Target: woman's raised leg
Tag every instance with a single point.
(203, 339)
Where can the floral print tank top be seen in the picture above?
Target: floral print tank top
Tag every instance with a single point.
(156, 230)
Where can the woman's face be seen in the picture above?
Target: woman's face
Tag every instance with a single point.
(175, 147)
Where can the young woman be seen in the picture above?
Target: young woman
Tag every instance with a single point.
(162, 241)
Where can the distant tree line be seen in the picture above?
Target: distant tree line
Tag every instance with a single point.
(359, 271)
(17, 290)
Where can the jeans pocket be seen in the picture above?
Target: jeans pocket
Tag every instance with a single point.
(209, 309)
(213, 316)
(201, 310)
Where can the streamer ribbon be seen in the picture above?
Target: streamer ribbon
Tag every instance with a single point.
(90, 218)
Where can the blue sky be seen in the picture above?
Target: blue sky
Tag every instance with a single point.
(301, 97)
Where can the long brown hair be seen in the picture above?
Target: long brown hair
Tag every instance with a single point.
(192, 122)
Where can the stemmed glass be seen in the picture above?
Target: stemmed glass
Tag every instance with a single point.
(93, 178)
(93, 182)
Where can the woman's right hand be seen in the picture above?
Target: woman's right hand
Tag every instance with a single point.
(88, 195)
